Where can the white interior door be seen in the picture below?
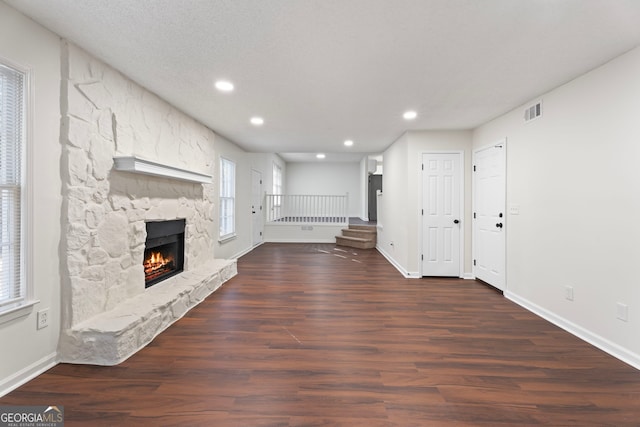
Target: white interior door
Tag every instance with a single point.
(489, 223)
(441, 214)
(256, 207)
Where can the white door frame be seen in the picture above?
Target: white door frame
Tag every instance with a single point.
(503, 143)
(462, 207)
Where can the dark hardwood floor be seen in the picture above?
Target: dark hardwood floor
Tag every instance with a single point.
(311, 335)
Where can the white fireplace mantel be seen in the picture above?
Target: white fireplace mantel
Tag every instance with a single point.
(147, 167)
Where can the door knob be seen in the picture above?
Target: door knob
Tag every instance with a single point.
(499, 225)
(455, 221)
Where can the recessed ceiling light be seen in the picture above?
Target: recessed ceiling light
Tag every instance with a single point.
(348, 143)
(257, 121)
(320, 156)
(224, 86)
(410, 115)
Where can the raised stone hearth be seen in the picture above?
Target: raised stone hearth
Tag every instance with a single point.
(113, 336)
(107, 314)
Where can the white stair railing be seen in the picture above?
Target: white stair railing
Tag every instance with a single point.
(306, 209)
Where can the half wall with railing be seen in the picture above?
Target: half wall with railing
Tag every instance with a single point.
(307, 209)
(305, 218)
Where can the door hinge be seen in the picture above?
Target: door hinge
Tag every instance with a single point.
(422, 212)
(474, 262)
(423, 166)
(261, 233)
(474, 168)
(260, 182)
(474, 215)
(422, 257)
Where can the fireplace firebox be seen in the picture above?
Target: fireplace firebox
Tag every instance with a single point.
(164, 250)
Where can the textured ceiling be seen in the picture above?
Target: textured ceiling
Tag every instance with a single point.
(322, 71)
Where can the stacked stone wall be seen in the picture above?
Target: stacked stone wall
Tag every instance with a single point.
(105, 114)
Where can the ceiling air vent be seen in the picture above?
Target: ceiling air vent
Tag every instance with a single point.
(533, 112)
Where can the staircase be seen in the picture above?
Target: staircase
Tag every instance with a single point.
(358, 236)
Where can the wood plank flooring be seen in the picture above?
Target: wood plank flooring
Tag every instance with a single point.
(309, 335)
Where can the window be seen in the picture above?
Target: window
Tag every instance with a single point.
(12, 142)
(227, 198)
(277, 183)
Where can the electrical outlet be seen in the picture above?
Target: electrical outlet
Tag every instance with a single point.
(43, 318)
(622, 312)
(568, 293)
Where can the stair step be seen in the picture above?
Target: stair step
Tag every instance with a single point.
(362, 227)
(354, 239)
(355, 242)
(363, 234)
(360, 230)
(358, 236)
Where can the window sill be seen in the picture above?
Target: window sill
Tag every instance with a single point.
(17, 312)
(227, 238)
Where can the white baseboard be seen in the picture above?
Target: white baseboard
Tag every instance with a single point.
(28, 373)
(405, 273)
(411, 274)
(603, 344)
(246, 251)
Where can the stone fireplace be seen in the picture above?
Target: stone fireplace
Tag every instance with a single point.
(108, 310)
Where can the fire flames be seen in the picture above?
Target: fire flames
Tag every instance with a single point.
(156, 264)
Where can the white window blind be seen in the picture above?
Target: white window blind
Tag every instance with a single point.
(227, 198)
(12, 107)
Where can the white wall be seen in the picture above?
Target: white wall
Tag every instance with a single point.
(326, 178)
(402, 190)
(393, 216)
(25, 350)
(575, 175)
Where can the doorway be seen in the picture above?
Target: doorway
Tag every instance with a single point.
(375, 184)
(489, 224)
(256, 207)
(442, 219)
